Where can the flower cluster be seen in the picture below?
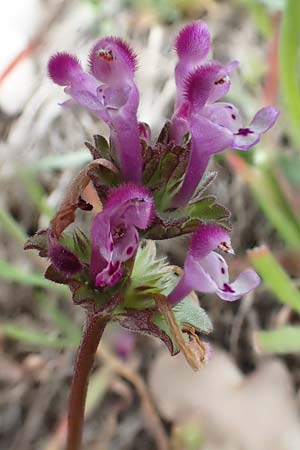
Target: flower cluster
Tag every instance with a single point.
(150, 190)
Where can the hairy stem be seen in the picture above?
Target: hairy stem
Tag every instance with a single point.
(83, 365)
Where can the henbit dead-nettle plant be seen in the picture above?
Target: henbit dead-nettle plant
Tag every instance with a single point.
(149, 190)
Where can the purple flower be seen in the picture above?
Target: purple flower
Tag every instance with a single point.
(110, 92)
(207, 271)
(114, 232)
(213, 126)
(192, 45)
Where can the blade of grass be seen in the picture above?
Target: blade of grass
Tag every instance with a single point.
(269, 196)
(98, 385)
(289, 49)
(11, 226)
(36, 337)
(36, 192)
(260, 15)
(60, 162)
(9, 272)
(284, 340)
(275, 277)
(67, 326)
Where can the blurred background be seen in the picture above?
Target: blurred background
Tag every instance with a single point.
(248, 396)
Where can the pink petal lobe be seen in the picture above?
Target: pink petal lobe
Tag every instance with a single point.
(245, 282)
(264, 119)
(207, 238)
(193, 41)
(198, 84)
(111, 59)
(224, 114)
(63, 68)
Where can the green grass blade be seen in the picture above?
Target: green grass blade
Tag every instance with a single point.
(61, 162)
(275, 277)
(289, 50)
(260, 15)
(63, 322)
(269, 196)
(36, 192)
(9, 272)
(36, 337)
(284, 340)
(98, 386)
(11, 226)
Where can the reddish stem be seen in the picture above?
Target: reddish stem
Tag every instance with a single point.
(83, 365)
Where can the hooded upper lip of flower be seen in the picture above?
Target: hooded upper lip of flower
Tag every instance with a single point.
(110, 92)
(207, 271)
(213, 126)
(114, 232)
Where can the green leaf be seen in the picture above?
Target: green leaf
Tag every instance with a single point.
(291, 167)
(283, 340)
(101, 148)
(78, 243)
(289, 50)
(261, 16)
(36, 337)
(98, 386)
(61, 162)
(38, 241)
(11, 226)
(150, 275)
(270, 197)
(36, 192)
(275, 277)
(9, 272)
(172, 224)
(205, 182)
(65, 324)
(163, 169)
(189, 313)
(207, 210)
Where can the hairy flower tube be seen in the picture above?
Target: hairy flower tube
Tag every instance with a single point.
(110, 92)
(207, 271)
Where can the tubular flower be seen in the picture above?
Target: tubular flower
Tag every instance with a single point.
(114, 232)
(207, 271)
(214, 126)
(110, 92)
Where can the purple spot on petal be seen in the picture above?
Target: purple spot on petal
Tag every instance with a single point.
(111, 247)
(233, 116)
(129, 250)
(245, 131)
(227, 288)
(223, 270)
(228, 107)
